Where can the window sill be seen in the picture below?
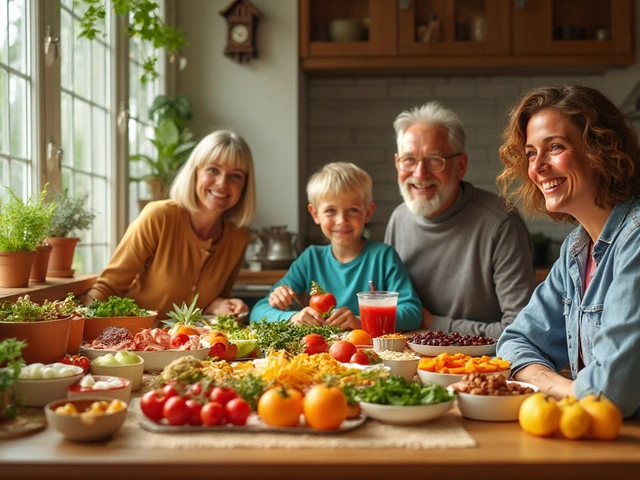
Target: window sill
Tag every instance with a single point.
(52, 289)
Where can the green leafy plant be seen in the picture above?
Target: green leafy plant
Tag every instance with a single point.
(70, 215)
(144, 25)
(11, 364)
(114, 307)
(283, 335)
(24, 310)
(172, 140)
(185, 315)
(23, 225)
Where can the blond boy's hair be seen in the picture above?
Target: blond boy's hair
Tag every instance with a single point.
(339, 178)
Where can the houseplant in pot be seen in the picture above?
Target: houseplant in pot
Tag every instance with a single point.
(172, 140)
(70, 216)
(115, 312)
(23, 225)
(10, 365)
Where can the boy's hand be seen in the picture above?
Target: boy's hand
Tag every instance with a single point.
(307, 316)
(282, 297)
(343, 318)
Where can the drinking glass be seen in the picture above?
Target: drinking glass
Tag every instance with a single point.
(378, 312)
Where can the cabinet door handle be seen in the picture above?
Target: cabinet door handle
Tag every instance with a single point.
(404, 4)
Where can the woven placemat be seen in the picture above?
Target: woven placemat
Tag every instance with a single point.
(443, 432)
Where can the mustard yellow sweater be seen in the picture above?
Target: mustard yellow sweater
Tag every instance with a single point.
(161, 261)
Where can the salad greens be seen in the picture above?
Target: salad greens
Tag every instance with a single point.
(24, 310)
(283, 335)
(250, 388)
(395, 390)
(114, 307)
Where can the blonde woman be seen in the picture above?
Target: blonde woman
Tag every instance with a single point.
(194, 242)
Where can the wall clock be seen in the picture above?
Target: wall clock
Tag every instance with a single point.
(242, 19)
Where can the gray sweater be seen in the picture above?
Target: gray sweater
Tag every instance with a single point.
(471, 265)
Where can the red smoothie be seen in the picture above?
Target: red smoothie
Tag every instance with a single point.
(378, 320)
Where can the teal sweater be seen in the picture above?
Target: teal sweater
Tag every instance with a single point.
(377, 262)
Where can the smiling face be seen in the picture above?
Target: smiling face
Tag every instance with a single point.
(219, 187)
(558, 164)
(426, 193)
(342, 218)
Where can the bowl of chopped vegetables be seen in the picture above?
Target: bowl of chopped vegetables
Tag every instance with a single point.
(115, 312)
(395, 401)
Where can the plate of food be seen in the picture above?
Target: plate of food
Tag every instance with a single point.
(435, 350)
(431, 343)
(154, 360)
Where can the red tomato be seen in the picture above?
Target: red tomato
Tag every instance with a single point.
(360, 358)
(237, 411)
(314, 343)
(321, 301)
(151, 405)
(169, 391)
(212, 414)
(77, 360)
(178, 339)
(194, 412)
(342, 350)
(218, 349)
(194, 390)
(222, 395)
(176, 411)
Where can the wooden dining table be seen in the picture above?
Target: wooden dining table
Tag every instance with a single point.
(504, 451)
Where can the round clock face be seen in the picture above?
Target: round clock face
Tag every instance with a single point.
(240, 33)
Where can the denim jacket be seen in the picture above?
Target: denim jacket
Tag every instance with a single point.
(604, 320)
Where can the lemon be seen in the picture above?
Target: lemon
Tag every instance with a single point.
(539, 415)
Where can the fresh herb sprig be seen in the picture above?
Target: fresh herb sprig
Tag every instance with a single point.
(114, 307)
(395, 390)
(11, 364)
(283, 335)
(250, 387)
(24, 310)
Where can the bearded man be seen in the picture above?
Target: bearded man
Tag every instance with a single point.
(466, 251)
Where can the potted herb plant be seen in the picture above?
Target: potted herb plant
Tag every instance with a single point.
(70, 216)
(11, 364)
(115, 312)
(23, 225)
(172, 140)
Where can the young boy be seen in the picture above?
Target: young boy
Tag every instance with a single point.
(340, 201)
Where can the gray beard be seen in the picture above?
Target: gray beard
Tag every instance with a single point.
(422, 206)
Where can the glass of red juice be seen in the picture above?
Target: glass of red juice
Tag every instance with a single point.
(378, 312)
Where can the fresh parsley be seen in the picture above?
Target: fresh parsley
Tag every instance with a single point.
(395, 390)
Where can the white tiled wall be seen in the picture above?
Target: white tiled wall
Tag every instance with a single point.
(352, 119)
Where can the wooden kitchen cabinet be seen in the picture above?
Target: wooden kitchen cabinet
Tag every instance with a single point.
(477, 35)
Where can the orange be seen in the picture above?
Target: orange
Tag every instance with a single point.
(280, 407)
(606, 418)
(215, 336)
(325, 407)
(187, 330)
(359, 337)
(574, 421)
(539, 415)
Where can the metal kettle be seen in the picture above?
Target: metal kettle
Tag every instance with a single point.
(280, 250)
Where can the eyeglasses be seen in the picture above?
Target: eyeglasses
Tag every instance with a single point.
(433, 163)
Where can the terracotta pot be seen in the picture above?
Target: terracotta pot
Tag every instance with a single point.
(159, 189)
(75, 335)
(41, 263)
(62, 256)
(15, 268)
(93, 327)
(46, 341)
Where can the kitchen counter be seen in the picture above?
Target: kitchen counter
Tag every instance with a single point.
(52, 289)
(504, 451)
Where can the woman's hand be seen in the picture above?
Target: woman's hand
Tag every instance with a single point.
(307, 316)
(282, 297)
(226, 306)
(344, 318)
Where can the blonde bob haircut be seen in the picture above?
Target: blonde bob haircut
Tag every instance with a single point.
(339, 178)
(223, 147)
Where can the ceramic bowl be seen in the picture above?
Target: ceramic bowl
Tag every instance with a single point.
(93, 327)
(446, 379)
(391, 344)
(500, 408)
(120, 390)
(434, 351)
(38, 392)
(408, 415)
(132, 372)
(84, 429)
(154, 361)
(405, 368)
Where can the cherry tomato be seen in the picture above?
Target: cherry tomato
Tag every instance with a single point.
(314, 343)
(342, 350)
(152, 404)
(212, 414)
(178, 339)
(176, 411)
(360, 358)
(222, 395)
(218, 350)
(237, 411)
(194, 390)
(169, 391)
(231, 353)
(321, 301)
(194, 412)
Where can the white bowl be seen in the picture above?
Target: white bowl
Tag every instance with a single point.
(405, 368)
(407, 415)
(446, 379)
(154, 360)
(74, 428)
(132, 372)
(434, 351)
(121, 392)
(40, 391)
(392, 344)
(499, 408)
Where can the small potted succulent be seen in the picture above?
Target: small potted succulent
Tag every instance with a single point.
(11, 364)
(23, 225)
(70, 216)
